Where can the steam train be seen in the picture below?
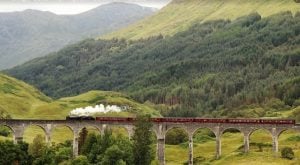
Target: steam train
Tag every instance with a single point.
(185, 120)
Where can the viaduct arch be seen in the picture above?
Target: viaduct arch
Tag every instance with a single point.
(159, 128)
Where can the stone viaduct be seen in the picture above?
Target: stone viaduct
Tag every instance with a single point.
(159, 128)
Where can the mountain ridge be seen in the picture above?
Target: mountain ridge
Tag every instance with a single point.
(32, 33)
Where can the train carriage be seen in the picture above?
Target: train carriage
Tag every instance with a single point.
(186, 120)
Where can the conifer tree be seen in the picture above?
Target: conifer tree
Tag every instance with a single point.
(142, 151)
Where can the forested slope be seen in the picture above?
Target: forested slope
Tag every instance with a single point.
(246, 67)
(179, 15)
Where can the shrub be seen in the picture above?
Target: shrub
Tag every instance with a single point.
(276, 104)
(294, 138)
(176, 136)
(4, 131)
(80, 160)
(198, 138)
(287, 153)
(11, 153)
(47, 156)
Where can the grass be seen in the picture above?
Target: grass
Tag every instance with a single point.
(59, 134)
(232, 154)
(17, 97)
(58, 109)
(180, 14)
(21, 100)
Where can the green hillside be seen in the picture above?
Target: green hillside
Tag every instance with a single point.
(248, 67)
(179, 15)
(20, 100)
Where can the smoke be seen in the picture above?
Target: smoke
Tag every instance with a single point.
(88, 111)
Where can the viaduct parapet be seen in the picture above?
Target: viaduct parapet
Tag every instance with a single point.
(159, 128)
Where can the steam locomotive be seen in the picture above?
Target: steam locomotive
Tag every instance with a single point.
(80, 118)
(185, 120)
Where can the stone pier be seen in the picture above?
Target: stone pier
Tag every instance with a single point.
(246, 143)
(161, 151)
(191, 149)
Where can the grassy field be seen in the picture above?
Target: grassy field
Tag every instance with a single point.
(180, 14)
(232, 154)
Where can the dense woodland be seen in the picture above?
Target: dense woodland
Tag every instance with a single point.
(248, 67)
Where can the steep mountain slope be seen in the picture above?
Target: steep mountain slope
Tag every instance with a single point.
(179, 15)
(30, 34)
(20, 100)
(250, 65)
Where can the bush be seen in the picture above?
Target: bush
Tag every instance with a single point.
(113, 155)
(296, 103)
(63, 154)
(80, 160)
(176, 136)
(198, 138)
(276, 104)
(11, 153)
(4, 131)
(287, 153)
(294, 138)
(46, 157)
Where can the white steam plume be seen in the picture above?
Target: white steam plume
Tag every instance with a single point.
(88, 111)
